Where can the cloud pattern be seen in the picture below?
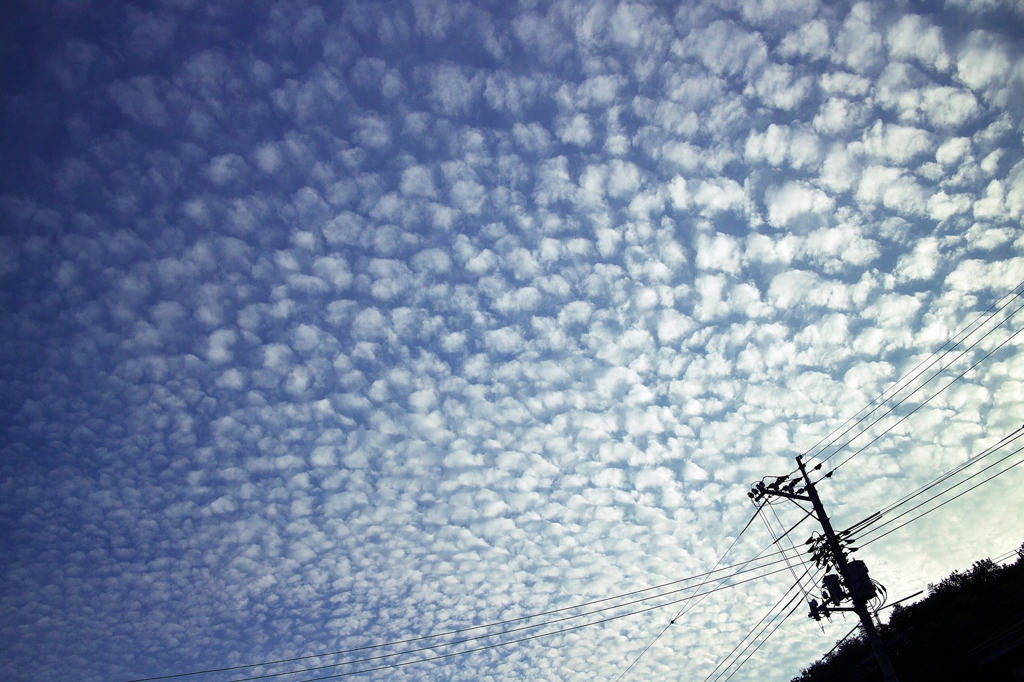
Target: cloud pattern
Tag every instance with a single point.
(327, 325)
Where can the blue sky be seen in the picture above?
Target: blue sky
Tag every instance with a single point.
(334, 325)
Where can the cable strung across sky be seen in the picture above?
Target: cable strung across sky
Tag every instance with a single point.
(936, 357)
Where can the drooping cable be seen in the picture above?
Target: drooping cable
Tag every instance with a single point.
(681, 612)
(704, 576)
(945, 502)
(925, 402)
(871, 520)
(1006, 556)
(762, 642)
(995, 447)
(468, 640)
(800, 555)
(840, 641)
(521, 639)
(916, 373)
(934, 497)
(724, 664)
(775, 540)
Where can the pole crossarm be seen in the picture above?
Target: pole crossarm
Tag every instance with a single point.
(831, 551)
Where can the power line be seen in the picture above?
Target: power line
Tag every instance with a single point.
(671, 622)
(944, 503)
(524, 639)
(467, 640)
(943, 492)
(775, 541)
(840, 641)
(682, 612)
(1006, 556)
(987, 452)
(705, 576)
(830, 551)
(900, 387)
(722, 666)
(1001, 443)
(933, 396)
(762, 642)
(907, 379)
(442, 645)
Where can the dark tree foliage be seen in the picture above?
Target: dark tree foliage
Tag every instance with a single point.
(930, 640)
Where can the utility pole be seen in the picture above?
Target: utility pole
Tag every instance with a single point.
(830, 551)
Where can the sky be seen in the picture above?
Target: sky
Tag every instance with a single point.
(325, 326)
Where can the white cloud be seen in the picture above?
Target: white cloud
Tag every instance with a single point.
(810, 40)
(533, 137)
(982, 61)
(913, 36)
(896, 143)
(333, 269)
(793, 200)
(891, 188)
(220, 343)
(858, 45)
(837, 115)
(724, 48)
(575, 130)
(140, 99)
(942, 206)
(452, 91)
(720, 194)
(720, 252)
(778, 87)
(797, 12)
(418, 181)
(952, 150)
(779, 145)
(921, 263)
(623, 179)
(505, 340)
(226, 168)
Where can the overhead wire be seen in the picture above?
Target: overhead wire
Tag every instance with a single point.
(990, 450)
(877, 516)
(521, 639)
(925, 402)
(690, 606)
(681, 612)
(720, 579)
(638, 611)
(442, 645)
(724, 665)
(945, 502)
(924, 365)
(775, 540)
(1002, 443)
(706, 577)
(911, 376)
(871, 520)
(762, 642)
(1006, 556)
(840, 641)
(800, 554)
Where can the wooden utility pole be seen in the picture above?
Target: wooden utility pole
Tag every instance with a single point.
(829, 551)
